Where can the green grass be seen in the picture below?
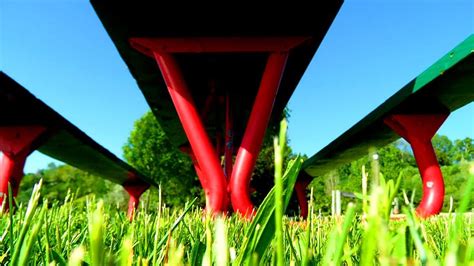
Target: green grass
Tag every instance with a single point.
(91, 233)
(74, 232)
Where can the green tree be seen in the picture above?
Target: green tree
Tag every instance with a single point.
(464, 150)
(392, 160)
(149, 150)
(397, 159)
(444, 149)
(60, 180)
(263, 175)
(455, 177)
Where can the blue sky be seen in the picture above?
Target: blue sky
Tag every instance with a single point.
(60, 51)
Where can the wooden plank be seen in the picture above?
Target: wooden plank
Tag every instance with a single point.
(445, 86)
(63, 141)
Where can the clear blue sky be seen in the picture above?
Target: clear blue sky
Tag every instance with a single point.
(61, 53)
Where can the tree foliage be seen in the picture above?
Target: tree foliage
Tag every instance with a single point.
(397, 159)
(149, 150)
(444, 149)
(59, 180)
(263, 175)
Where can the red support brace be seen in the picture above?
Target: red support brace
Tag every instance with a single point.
(206, 163)
(11, 171)
(199, 173)
(418, 129)
(229, 145)
(216, 44)
(195, 131)
(15, 145)
(254, 133)
(219, 144)
(300, 189)
(135, 191)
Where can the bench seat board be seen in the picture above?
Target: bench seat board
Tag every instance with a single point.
(62, 141)
(445, 86)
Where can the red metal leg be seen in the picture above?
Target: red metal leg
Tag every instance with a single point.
(254, 133)
(135, 191)
(200, 174)
(195, 131)
(229, 145)
(11, 171)
(219, 146)
(6, 171)
(300, 189)
(207, 163)
(418, 131)
(15, 145)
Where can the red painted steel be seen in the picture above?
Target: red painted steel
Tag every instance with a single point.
(254, 133)
(201, 176)
(11, 171)
(6, 172)
(300, 189)
(15, 145)
(135, 191)
(15, 139)
(229, 145)
(149, 46)
(418, 129)
(195, 131)
(206, 163)
(219, 144)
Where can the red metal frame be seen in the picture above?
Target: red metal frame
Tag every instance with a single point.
(300, 189)
(418, 129)
(16, 143)
(135, 190)
(254, 133)
(229, 144)
(195, 131)
(206, 162)
(202, 178)
(219, 144)
(11, 171)
(149, 46)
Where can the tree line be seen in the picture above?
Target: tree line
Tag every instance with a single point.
(149, 151)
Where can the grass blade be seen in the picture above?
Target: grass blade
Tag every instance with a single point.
(28, 244)
(279, 152)
(264, 219)
(96, 235)
(30, 212)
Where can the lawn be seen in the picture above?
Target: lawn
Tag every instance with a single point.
(87, 232)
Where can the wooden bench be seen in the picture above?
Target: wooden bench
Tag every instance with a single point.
(28, 124)
(414, 113)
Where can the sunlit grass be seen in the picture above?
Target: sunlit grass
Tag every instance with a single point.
(97, 234)
(91, 233)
